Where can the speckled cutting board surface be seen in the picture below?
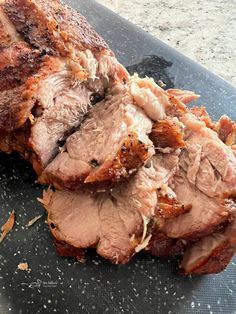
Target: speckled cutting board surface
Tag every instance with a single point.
(146, 284)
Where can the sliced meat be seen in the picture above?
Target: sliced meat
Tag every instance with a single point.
(60, 109)
(52, 26)
(120, 219)
(207, 176)
(208, 162)
(226, 129)
(110, 145)
(167, 133)
(204, 216)
(213, 253)
(85, 221)
(115, 223)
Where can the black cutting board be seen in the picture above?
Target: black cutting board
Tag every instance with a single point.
(146, 284)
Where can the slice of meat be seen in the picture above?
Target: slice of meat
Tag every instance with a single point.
(205, 214)
(208, 162)
(111, 222)
(60, 109)
(211, 254)
(52, 26)
(167, 133)
(226, 129)
(84, 221)
(206, 178)
(110, 145)
(119, 219)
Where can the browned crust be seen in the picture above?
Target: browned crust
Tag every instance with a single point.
(18, 141)
(17, 63)
(66, 250)
(162, 246)
(226, 129)
(15, 141)
(52, 26)
(16, 103)
(15, 108)
(165, 133)
(5, 38)
(215, 263)
(131, 155)
(168, 207)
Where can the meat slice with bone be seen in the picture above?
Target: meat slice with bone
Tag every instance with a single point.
(95, 155)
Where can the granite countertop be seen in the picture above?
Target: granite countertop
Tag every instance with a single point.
(203, 30)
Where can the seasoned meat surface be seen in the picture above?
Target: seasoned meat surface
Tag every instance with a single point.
(52, 26)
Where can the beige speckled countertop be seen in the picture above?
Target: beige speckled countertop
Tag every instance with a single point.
(204, 30)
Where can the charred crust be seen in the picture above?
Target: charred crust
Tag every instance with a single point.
(94, 163)
(165, 133)
(52, 225)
